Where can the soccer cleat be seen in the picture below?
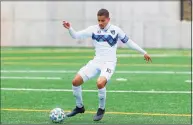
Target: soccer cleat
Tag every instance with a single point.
(99, 114)
(76, 111)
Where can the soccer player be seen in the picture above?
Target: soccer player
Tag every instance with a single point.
(105, 37)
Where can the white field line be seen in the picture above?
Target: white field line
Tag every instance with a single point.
(188, 81)
(81, 57)
(110, 91)
(121, 79)
(152, 55)
(28, 77)
(74, 71)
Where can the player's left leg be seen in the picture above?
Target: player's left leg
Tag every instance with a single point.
(106, 73)
(101, 82)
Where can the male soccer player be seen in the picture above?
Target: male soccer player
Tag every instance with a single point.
(105, 37)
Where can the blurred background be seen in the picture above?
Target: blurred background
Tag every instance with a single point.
(152, 24)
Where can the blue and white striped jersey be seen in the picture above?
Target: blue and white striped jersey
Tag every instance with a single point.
(104, 40)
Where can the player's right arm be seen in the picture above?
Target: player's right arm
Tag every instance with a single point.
(80, 34)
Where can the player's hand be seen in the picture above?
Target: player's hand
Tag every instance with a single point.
(66, 24)
(147, 58)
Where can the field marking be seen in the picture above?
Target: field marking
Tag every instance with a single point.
(29, 77)
(189, 81)
(74, 71)
(79, 64)
(121, 79)
(46, 57)
(154, 55)
(152, 72)
(93, 112)
(74, 50)
(109, 91)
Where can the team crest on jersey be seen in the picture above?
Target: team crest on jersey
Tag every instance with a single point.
(113, 32)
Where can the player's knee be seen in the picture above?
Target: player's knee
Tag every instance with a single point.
(101, 84)
(76, 82)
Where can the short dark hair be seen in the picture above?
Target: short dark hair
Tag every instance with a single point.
(103, 12)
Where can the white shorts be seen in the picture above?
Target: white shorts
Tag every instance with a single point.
(94, 68)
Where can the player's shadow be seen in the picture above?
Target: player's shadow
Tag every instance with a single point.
(82, 120)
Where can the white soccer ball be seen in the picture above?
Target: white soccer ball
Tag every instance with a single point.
(57, 115)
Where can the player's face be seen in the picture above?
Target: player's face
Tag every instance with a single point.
(103, 21)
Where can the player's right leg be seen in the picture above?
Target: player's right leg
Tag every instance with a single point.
(77, 92)
(87, 72)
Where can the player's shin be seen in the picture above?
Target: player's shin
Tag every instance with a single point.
(102, 97)
(77, 92)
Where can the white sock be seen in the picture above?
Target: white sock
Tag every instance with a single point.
(77, 92)
(102, 97)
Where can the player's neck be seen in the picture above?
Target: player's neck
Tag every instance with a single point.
(106, 27)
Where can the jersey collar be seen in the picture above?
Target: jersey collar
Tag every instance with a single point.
(106, 27)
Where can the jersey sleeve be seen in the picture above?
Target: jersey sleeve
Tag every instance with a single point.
(81, 34)
(122, 36)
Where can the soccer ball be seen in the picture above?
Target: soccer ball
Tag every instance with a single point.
(57, 115)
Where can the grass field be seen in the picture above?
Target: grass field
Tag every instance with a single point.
(36, 80)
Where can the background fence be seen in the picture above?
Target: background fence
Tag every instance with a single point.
(152, 24)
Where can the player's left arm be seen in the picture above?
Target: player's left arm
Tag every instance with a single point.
(131, 44)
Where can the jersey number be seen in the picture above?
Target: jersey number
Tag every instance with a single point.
(108, 70)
